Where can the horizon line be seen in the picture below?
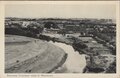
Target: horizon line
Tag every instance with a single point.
(59, 18)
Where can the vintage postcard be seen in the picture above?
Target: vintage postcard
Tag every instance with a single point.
(59, 39)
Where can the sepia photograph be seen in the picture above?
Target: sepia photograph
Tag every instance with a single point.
(59, 39)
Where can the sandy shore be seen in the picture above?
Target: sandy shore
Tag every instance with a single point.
(28, 55)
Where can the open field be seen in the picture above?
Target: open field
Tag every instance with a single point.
(24, 54)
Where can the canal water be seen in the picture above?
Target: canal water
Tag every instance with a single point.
(75, 62)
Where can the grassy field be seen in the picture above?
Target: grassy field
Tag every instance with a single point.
(29, 55)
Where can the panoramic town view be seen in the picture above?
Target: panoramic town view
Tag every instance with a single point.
(60, 45)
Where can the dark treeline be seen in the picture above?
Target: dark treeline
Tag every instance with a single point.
(28, 32)
(18, 31)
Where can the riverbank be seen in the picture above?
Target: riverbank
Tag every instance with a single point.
(35, 56)
(75, 62)
(93, 61)
(98, 57)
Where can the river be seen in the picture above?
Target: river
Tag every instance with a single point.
(74, 63)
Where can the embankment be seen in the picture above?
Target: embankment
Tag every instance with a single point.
(35, 56)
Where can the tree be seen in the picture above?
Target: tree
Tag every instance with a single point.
(49, 25)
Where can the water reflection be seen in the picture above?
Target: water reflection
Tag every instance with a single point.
(75, 62)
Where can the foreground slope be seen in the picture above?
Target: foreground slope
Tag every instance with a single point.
(24, 54)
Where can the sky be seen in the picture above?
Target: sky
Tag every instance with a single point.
(60, 11)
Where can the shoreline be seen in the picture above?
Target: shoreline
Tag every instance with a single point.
(23, 66)
(59, 64)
